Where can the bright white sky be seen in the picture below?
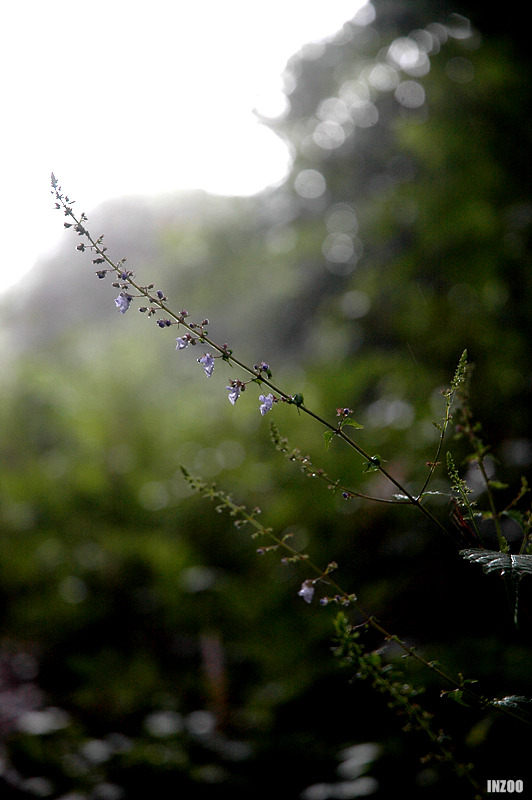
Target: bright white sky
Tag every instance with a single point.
(120, 97)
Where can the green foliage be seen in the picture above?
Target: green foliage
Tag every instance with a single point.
(390, 680)
(146, 611)
(516, 566)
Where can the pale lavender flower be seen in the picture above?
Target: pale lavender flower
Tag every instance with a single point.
(182, 342)
(234, 393)
(123, 301)
(266, 403)
(208, 363)
(307, 591)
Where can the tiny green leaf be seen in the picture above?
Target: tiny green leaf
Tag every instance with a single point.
(353, 424)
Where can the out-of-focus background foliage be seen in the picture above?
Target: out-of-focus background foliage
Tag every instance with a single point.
(144, 645)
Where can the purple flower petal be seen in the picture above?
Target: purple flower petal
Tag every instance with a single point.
(123, 301)
(208, 363)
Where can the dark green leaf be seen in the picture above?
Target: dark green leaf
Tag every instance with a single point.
(493, 561)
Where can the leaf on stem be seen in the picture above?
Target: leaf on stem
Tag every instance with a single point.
(517, 566)
(353, 424)
(508, 565)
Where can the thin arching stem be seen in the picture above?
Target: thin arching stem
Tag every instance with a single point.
(258, 376)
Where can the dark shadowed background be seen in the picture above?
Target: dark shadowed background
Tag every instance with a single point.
(144, 645)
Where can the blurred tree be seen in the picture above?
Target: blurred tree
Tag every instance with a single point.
(423, 211)
(400, 237)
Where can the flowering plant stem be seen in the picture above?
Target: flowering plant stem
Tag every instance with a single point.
(158, 304)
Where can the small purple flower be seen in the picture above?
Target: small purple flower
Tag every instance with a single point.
(307, 591)
(208, 363)
(266, 403)
(234, 393)
(123, 301)
(182, 342)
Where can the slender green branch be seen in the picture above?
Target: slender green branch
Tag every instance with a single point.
(450, 395)
(369, 665)
(281, 444)
(340, 596)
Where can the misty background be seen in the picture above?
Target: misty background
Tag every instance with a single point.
(145, 646)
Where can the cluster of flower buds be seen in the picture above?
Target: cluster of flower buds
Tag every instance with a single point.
(307, 593)
(236, 386)
(344, 412)
(308, 588)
